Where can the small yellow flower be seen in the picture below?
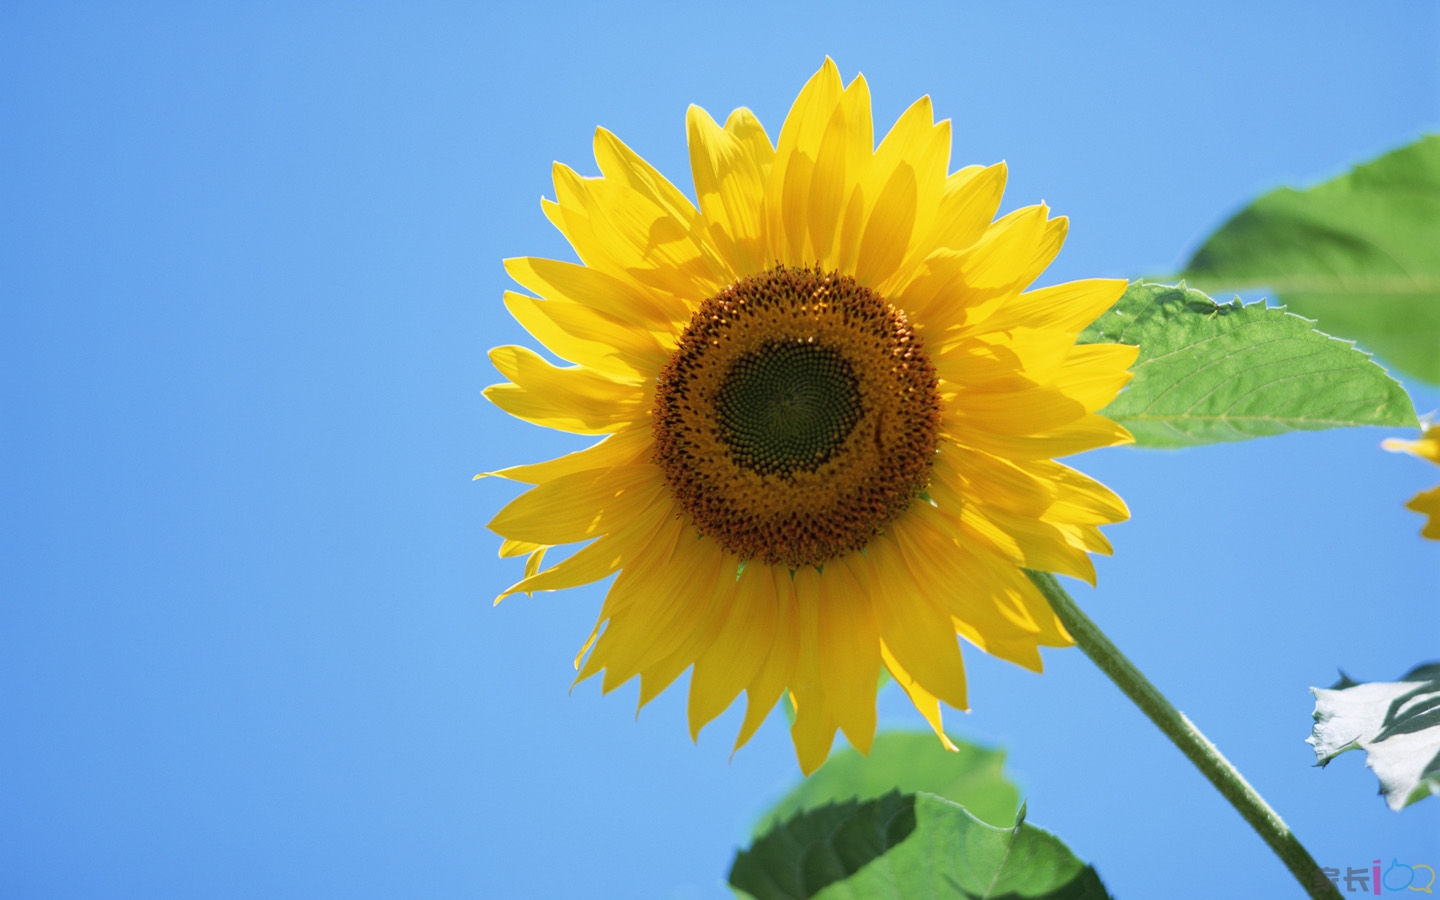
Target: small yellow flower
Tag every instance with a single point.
(830, 408)
(1425, 502)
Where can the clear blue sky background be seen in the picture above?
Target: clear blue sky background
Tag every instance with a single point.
(250, 266)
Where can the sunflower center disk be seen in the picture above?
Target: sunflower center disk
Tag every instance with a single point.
(787, 407)
(797, 416)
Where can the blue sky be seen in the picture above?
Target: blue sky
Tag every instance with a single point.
(250, 267)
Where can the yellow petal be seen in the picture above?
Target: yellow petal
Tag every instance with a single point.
(843, 152)
(1023, 653)
(741, 645)
(1428, 503)
(630, 445)
(606, 294)
(518, 548)
(687, 618)
(1045, 546)
(1065, 308)
(1080, 499)
(849, 654)
(933, 294)
(1089, 433)
(813, 733)
(579, 506)
(796, 152)
(1427, 447)
(1022, 411)
(691, 610)
(813, 730)
(615, 650)
(916, 632)
(764, 689)
(600, 557)
(747, 129)
(924, 701)
(730, 185)
(575, 399)
(979, 477)
(966, 583)
(968, 205)
(1094, 373)
(1000, 259)
(888, 232)
(590, 563)
(584, 336)
(1006, 615)
(621, 231)
(931, 286)
(622, 165)
(922, 146)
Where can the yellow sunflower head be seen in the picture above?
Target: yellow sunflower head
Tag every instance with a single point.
(1426, 502)
(830, 411)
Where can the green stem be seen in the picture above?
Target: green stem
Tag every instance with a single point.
(1196, 747)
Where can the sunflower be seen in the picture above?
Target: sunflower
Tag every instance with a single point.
(830, 411)
(1426, 502)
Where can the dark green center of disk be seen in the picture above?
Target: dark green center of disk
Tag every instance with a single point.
(787, 406)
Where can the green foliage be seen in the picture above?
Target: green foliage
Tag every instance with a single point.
(908, 845)
(911, 819)
(1397, 724)
(1360, 253)
(1211, 372)
(909, 762)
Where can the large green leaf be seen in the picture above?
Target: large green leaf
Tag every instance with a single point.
(1397, 724)
(909, 762)
(1360, 253)
(1211, 372)
(908, 845)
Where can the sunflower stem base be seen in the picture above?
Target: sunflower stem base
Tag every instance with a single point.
(1184, 735)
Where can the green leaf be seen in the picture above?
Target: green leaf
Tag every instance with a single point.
(1397, 724)
(1360, 253)
(910, 762)
(909, 845)
(1211, 372)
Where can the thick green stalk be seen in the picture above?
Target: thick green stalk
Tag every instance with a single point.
(1196, 747)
